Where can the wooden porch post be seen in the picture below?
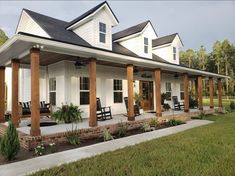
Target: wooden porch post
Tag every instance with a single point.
(199, 84)
(186, 96)
(2, 94)
(92, 97)
(157, 75)
(130, 78)
(211, 90)
(196, 89)
(220, 93)
(15, 65)
(35, 100)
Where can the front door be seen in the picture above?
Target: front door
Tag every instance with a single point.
(146, 91)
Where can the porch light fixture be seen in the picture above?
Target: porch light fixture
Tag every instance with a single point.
(176, 76)
(79, 64)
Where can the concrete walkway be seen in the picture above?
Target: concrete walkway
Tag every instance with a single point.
(47, 161)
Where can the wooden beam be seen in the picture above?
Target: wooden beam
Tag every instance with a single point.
(220, 105)
(2, 94)
(130, 78)
(199, 83)
(15, 65)
(211, 90)
(157, 76)
(196, 89)
(35, 100)
(186, 96)
(92, 97)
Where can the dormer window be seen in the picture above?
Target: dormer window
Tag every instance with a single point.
(146, 45)
(102, 32)
(174, 53)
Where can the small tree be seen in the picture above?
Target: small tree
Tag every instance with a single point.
(10, 144)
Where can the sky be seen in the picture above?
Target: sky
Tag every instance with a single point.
(197, 22)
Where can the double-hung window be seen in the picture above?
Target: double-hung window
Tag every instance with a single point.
(168, 91)
(174, 53)
(146, 45)
(182, 91)
(117, 91)
(102, 32)
(52, 91)
(84, 90)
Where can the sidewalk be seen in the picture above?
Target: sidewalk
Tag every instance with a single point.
(47, 161)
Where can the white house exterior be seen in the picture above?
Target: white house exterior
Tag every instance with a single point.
(62, 45)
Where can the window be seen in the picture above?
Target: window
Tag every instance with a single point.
(117, 91)
(174, 53)
(168, 91)
(146, 45)
(102, 32)
(181, 91)
(52, 91)
(84, 90)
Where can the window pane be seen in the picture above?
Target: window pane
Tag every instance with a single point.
(52, 84)
(53, 98)
(84, 83)
(168, 96)
(102, 27)
(182, 95)
(174, 49)
(118, 97)
(168, 86)
(181, 87)
(102, 38)
(145, 49)
(117, 84)
(84, 98)
(146, 41)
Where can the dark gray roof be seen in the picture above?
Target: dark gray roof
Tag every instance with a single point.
(130, 31)
(56, 28)
(163, 40)
(117, 48)
(159, 59)
(89, 12)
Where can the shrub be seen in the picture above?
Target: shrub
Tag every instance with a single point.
(107, 135)
(146, 127)
(39, 150)
(10, 144)
(174, 122)
(232, 105)
(228, 109)
(153, 123)
(73, 136)
(52, 147)
(122, 129)
(68, 114)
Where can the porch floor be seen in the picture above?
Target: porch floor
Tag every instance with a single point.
(85, 124)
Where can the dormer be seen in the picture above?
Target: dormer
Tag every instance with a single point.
(167, 47)
(95, 26)
(137, 39)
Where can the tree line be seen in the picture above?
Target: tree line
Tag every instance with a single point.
(220, 60)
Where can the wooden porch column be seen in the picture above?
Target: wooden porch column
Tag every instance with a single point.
(196, 89)
(211, 90)
(199, 84)
(92, 97)
(130, 78)
(35, 100)
(2, 94)
(157, 76)
(220, 93)
(15, 65)
(186, 96)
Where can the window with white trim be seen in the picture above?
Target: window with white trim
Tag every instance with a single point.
(84, 90)
(146, 45)
(168, 91)
(182, 91)
(174, 53)
(102, 32)
(117, 91)
(52, 91)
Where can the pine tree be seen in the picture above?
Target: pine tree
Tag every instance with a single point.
(10, 144)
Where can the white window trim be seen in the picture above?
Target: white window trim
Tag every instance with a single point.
(52, 91)
(146, 45)
(81, 90)
(168, 90)
(117, 91)
(174, 53)
(181, 91)
(101, 32)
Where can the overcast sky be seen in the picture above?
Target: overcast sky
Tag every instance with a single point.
(197, 22)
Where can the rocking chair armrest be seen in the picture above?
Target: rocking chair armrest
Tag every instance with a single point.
(104, 108)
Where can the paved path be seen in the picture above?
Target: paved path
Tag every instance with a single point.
(43, 162)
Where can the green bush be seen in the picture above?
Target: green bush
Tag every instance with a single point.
(146, 127)
(122, 130)
(68, 114)
(107, 135)
(232, 105)
(73, 136)
(174, 122)
(39, 150)
(153, 123)
(10, 144)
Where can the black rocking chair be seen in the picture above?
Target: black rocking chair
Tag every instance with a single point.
(136, 107)
(102, 112)
(177, 105)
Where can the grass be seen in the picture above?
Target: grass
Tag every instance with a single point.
(225, 102)
(205, 151)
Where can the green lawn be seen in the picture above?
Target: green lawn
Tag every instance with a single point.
(225, 102)
(203, 151)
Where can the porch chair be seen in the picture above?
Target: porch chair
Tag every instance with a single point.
(102, 112)
(177, 105)
(136, 107)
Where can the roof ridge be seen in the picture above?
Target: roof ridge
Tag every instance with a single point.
(167, 36)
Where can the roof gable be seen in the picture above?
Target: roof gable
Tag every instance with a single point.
(165, 40)
(92, 12)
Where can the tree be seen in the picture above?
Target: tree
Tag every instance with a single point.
(188, 58)
(3, 37)
(202, 57)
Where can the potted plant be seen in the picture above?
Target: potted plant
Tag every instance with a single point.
(68, 114)
(138, 98)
